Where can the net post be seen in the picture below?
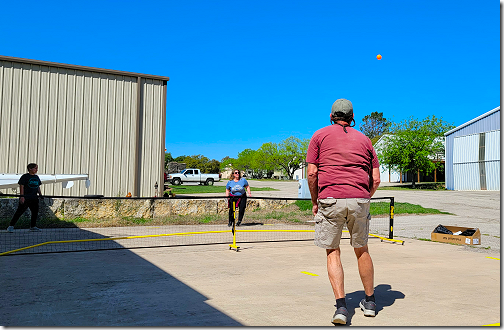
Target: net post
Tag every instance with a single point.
(391, 227)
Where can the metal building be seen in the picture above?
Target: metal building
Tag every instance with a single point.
(473, 154)
(72, 119)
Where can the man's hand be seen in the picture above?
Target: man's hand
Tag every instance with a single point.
(315, 209)
(21, 200)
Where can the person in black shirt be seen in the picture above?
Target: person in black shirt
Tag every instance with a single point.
(29, 185)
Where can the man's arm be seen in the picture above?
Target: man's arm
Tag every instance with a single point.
(376, 181)
(313, 185)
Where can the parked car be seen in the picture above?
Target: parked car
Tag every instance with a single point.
(192, 175)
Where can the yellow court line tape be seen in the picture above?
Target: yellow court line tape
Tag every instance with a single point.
(493, 258)
(492, 325)
(309, 274)
(387, 239)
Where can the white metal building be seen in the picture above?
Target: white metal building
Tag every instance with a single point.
(473, 154)
(72, 119)
(386, 174)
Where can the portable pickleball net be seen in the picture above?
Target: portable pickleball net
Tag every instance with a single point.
(70, 234)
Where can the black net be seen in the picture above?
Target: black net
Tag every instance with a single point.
(87, 224)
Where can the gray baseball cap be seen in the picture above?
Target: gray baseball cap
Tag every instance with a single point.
(343, 106)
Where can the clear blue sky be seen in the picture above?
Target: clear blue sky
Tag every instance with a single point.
(243, 73)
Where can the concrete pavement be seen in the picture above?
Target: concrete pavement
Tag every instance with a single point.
(416, 284)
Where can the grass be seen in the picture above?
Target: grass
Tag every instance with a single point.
(296, 213)
(428, 186)
(383, 208)
(197, 189)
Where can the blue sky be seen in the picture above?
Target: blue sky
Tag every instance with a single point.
(243, 73)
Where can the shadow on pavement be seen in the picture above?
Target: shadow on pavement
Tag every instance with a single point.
(384, 296)
(100, 288)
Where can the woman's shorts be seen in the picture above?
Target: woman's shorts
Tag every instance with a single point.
(334, 213)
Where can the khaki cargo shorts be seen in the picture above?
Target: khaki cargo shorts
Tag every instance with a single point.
(333, 214)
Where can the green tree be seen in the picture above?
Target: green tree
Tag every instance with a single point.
(227, 162)
(266, 158)
(374, 125)
(201, 162)
(413, 144)
(213, 166)
(167, 158)
(179, 159)
(245, 160)
(291, 155)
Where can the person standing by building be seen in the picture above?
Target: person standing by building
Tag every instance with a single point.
(29, 185)
(235, 188)
(343, 174)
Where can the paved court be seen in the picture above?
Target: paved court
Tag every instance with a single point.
(417, 284)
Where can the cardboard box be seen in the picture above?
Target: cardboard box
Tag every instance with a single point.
(475, 239)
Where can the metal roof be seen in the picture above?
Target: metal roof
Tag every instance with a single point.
(472, 121)
(83, 68)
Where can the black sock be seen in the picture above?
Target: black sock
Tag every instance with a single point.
(340, 303)
(370, 298)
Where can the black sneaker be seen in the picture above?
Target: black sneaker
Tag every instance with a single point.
(230, 223)
(368, 307)
(340, 316)
(238, 223)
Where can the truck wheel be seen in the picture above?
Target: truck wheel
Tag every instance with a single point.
(209, 182)
(176, 181)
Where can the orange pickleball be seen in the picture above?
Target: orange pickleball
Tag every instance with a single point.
(378, 57)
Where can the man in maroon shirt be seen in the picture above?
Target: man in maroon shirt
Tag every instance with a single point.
(343, 174)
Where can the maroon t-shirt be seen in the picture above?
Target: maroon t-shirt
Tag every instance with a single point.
(345, 162)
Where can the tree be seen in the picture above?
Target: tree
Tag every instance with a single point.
(167, 159)
(245, 161)
(375, 125)
(227, 162)
(201, 162)
(266, 158)
(413, 144)
(291, 155)
(213, 166)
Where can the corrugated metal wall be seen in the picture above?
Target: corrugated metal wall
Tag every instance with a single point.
(465, 149)
(466, 176)
(470, 133)
(81, 122)
(475, 162)
(489, 123)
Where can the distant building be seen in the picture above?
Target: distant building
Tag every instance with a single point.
(473, 154)
(390, 175)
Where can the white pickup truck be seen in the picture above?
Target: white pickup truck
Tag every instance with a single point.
(192, 175)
